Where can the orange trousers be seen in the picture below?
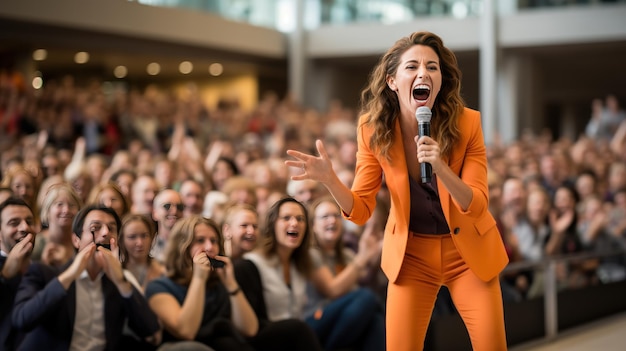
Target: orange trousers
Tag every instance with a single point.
(430, 262)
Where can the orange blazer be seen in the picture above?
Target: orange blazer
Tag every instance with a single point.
(474, 231)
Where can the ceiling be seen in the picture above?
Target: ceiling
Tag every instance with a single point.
(106, 51)
(577, 71)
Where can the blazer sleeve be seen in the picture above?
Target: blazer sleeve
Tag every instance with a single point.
(474, 167)
(38, 297)
(8, 288)
(368, 179)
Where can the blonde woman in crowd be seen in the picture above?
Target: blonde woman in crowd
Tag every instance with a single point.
(241, 230)
(59, 207)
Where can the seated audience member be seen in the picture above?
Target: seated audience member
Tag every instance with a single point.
(306, 191)
(374, 277)
(192, 194)
(361, 325)
(96, 165)
(17, 237)
(532, 230)
(84, 304)
(24, 186)
(616, 180)
(240, 229)
(531, 235)
(59, 207)
(197, 300)
(565, 239)
(136, 238)
(277, 274)
(215, 203)
(240, 190)
(143, 192)
(223, 169)
(22, 183)
(592, 226)
(50, 164)
(77, 176)
(616, 224)
(165, 172)
(124, 178)
(168, 209)
(110, 195)
(226, 315)
(46, 184)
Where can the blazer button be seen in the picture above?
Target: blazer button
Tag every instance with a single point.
(457, 230)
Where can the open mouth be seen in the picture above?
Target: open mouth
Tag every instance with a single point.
(421, 92)
(292, 234)
(249, 238)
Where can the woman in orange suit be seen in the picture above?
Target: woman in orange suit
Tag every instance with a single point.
(439, 232)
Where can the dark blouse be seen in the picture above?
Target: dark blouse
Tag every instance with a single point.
(216, 319)
(426, 213)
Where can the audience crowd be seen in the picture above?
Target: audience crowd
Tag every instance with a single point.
(115, 206)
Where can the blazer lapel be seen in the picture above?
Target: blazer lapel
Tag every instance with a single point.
(397, 173)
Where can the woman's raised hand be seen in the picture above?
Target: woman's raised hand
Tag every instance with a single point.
(318, 168)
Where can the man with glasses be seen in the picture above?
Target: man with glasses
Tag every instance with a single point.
(168, 209)
(84, 304)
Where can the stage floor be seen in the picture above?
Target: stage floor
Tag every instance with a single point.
(607, 334)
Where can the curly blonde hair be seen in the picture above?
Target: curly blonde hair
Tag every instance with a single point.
(380, 106)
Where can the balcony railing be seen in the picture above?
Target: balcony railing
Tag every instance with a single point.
(280, 14)
(610, 269)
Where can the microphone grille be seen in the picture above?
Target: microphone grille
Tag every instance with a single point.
(423, 114)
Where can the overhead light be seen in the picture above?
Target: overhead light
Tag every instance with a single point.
(37, 82)
(40, 54)
(459, 10)
(81, 57)
(120, 71)
(153, 68)
(216, 69)
(185, 67)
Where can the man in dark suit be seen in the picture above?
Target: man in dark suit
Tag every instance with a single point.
(84, 304)
(17, 236)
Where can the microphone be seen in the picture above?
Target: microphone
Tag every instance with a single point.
(423, 115)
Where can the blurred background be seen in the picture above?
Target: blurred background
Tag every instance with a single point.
(526, 64)
(247, 80)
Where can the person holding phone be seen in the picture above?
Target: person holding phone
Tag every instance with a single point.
(200, 299)
(197, 299)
